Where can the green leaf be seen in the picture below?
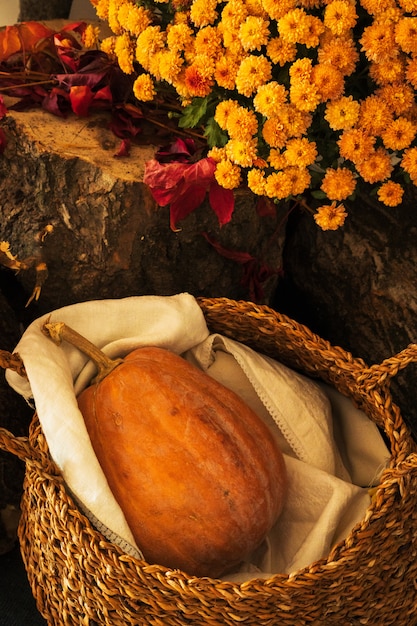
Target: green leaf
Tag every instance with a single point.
(318, 194)
(214, 134)
(194, 113)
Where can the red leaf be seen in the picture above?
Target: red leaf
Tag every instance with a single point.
(234, 255)
(56, 102)
(76, 27)
(3, 108)
(179, 150)
(81, 98)
(186, 203)
(31, 33)
(265, 207)
(3, 141)
(255, 273)
(21, 37)
(9, 42)
(169, 180)
(222, 201)
(124, 148)
(183, 184)
(126, 123)
(163, 180)
(66, 46)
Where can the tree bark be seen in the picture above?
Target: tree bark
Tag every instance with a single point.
(44, 9)
(357, 286)
(109, 239)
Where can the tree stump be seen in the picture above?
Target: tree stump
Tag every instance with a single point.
(357, 286)
(44, 9)
(109, 239)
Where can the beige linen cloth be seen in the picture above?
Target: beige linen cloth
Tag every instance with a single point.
(333, 453)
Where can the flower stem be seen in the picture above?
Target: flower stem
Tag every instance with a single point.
(59, 331)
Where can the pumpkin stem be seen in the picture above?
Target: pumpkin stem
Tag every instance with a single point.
(59, 331)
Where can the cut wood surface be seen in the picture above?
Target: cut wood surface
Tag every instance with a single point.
(108, 237)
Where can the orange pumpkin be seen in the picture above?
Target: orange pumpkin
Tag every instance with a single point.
(196, 472)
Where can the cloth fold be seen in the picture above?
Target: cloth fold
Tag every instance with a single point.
(313, 424)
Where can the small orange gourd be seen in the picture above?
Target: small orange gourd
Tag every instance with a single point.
(197, 474)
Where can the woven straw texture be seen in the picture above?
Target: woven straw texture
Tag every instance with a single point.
(77, 577)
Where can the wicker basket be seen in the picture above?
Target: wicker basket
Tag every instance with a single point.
(77, 577)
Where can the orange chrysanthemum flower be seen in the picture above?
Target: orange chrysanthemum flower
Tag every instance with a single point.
(256, 181)
(228, 174)
(313, 28)
(305, 96)
(274, 132)
(390, 193)
(197, 81)
(234, 13)
(217, 154)
(406, 34)
(124, 49)
(340, 16)
(150, 41)
(203, 12)
(208, 41)
(102, 9)
(107, 46)
(374, 115)
(277, 159)
(254, 33)
(376, 7)
(378, 42)
(399, 134)
(278, 185)
(399, 97)
(144, 88)
(225, 72)
(343, 113)
(376, 167)
(90, 36)
(409, 163)
(223, 111)
(300, 152)
(243, 153)
(133, 18)
(300, 179)
(338, 184)
(328, 81)
(300, 70)
(170, 65)
(411, 72)
(253, 72)
(269, 98)
(293, 26)
(330, 217)
(280, 51)
(278, 8)
(242, 123)
(386, 72)
(356, 145)
(180, 37)
(339, 52)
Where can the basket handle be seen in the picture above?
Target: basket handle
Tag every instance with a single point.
(376, 375)
(19, 446)
(12, 361)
